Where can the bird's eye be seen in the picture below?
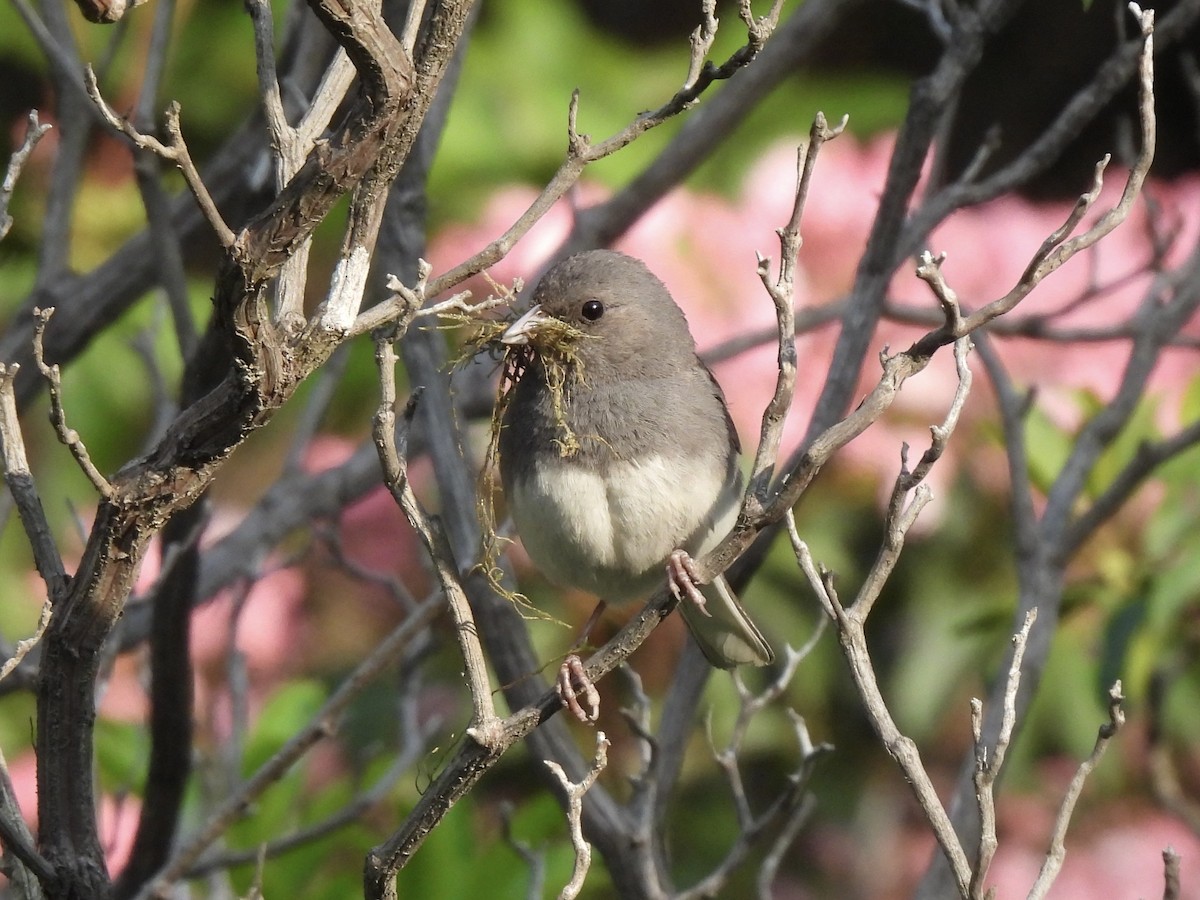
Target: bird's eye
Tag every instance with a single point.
(592, 310)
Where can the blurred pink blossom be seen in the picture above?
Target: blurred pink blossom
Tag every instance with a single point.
(372, 530)
(1117, 858)
(703, 247)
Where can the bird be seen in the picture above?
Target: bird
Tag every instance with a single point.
(618, 457)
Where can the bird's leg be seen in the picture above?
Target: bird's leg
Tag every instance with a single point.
(681, 579)
(586, 631)
(576, 690)
(574, 687)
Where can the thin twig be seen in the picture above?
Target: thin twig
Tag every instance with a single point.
(21, 486)
(58, 415)
(582, 151)
(174, 151)
(782, 290)
(702, 41)
(306, 836)
(987, 769)
(1060, 246)
(23, 647)
(779, 822)
(786, 835)
(268, 78)
(484, 723)
(414, 731)
(1172, 889)
(34, 132)
(909, 496)
(704, 130)
(413, 302)
(1058, 851)
(574, 793)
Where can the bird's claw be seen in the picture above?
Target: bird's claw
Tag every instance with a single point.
(682, 577)
(576, 690)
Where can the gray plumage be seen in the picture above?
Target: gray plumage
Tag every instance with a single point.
(654, 468)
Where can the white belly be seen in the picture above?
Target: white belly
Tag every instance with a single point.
(611, 535)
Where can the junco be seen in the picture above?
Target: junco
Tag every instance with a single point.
(618, 457)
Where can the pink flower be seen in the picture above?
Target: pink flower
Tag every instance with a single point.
(703, 247)
(1120, 861)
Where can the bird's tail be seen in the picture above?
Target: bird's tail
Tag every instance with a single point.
(723, 628)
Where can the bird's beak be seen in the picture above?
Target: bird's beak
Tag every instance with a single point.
(520, 331)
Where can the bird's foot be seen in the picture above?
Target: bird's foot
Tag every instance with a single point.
(576, 690)
(682, 577)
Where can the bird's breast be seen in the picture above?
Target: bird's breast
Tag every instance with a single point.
(609, 530)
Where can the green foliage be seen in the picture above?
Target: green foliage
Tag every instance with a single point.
(286, 713)
(1047, 448)
(473, 833)
(328, 867)
(18, 713)
(122, 752)
(1154, 631)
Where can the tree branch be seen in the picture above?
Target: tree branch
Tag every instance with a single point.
(34, 132)
(1058, 850)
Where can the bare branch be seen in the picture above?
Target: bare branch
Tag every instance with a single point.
(1060, 246)
(412, 25)
(413, 302)
(702, 41)
(782, 293)
(934, 12)
(791, 826)
(34, 132)
(413, 731)
(174, 151)
(484, 723)
(987, 771)
(574, 793)
(806, 29)
(779, 822)
(1149, 456)
(581, 151)
(23, 647)
(58, 415)
(350, 813)
(940, 434)
(1058, 851)
(1170, 29)
(290, 150)
(268, 79)
(850, 621)
(19, 478)
(1171, 882)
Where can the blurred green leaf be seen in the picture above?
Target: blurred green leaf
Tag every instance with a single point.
(122, 754)
(1047, 448)
(1189, 404)
(285, 713)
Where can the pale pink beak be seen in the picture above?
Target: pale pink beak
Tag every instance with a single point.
(520, 331)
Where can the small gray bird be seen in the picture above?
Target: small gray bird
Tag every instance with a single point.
(618, 456)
